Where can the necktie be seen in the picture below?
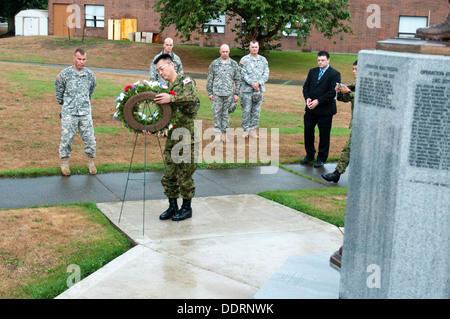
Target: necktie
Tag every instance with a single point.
(320, 74)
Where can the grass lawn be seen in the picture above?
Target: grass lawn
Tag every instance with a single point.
(326, 204)
(40, 247)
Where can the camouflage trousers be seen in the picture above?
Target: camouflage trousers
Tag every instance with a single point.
(178, 177)
(220, 107)
(70, 124)
(344, 159)
(250, 111)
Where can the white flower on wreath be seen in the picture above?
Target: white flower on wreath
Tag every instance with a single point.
(142, 115)
(120, 97)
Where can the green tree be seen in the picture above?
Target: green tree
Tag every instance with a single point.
(9, 9)
(264, 21)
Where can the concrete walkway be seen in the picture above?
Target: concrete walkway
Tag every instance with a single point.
(230, 249)
(236, 245)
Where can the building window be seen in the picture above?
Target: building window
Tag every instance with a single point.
(94, 16)
(215, 25)
(407, 26)
(261, 28)
(294, 30)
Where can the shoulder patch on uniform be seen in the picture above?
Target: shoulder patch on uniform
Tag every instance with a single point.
(187, 80)
(58, 78)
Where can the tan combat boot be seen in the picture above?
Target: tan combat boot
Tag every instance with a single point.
(65, 166)
(91, 166)
(437, 32)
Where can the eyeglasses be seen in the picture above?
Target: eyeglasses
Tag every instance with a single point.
(162, 68)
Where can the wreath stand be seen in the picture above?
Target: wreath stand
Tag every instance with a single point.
(128, 112)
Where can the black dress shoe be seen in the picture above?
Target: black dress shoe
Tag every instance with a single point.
(336, 258)
(318, 164)
(332, 177)
(184, 212)
(306, 160)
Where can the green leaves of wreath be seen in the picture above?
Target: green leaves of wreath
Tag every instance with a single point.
(136, 110)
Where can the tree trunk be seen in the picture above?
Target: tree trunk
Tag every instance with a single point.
(11, 25)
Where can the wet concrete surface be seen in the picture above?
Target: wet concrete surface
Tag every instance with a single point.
(229, 249)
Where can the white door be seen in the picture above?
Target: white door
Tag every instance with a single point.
(30, 26)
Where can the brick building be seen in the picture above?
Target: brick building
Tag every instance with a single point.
(371, 21)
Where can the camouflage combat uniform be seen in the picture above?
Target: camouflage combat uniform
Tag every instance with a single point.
(74, 90)
(345, 154)
(180, 168)
(252, 70)
(154, 75)
(223, 81)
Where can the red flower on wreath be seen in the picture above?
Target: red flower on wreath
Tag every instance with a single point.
(172, 92)
(128, 87)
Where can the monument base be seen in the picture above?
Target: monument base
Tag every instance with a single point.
(413, 45)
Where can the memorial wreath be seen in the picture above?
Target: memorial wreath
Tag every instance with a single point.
(137, 111)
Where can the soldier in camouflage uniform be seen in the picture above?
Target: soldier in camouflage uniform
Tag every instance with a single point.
(178, 177)
(344, 94)
(167, 49)
(254, 73)
(223, 85)
(74, 87)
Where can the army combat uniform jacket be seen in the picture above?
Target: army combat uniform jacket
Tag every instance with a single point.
(224, 78)
(185, 99)
(254, 70)
(348, 97)
(74, 90)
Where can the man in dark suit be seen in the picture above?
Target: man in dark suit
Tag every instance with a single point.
(319, 95)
